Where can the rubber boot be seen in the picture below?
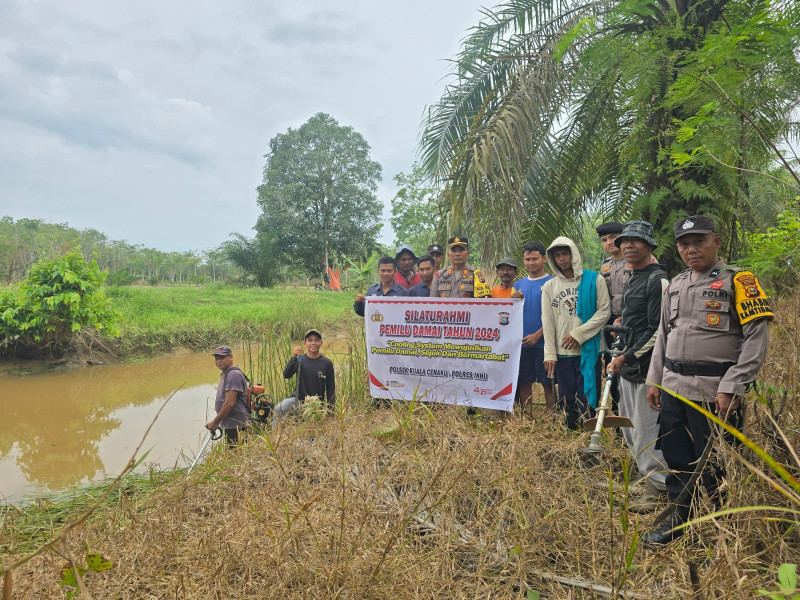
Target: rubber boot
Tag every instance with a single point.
(665, 534)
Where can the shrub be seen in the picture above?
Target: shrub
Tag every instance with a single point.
(772, 253)
(56, 299)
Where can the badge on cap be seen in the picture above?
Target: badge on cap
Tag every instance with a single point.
(688, 224)
(712, 319)
(715, 285)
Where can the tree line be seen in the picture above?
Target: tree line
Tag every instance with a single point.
(25, 241)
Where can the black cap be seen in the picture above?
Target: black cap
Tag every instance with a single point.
(435, 248)
(458, 241)
(610, 227)
(222, 351)
(699, 224)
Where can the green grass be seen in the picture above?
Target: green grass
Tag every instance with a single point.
(159, 318)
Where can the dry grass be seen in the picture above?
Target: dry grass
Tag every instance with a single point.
(437, 506)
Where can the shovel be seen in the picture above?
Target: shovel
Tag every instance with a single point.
(603, 419)
(214, 434)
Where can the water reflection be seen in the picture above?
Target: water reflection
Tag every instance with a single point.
(71, 428)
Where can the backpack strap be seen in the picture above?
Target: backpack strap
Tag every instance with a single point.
(247, 386)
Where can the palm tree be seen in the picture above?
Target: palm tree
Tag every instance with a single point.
(653, 108)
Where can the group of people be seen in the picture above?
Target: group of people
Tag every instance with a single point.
(702, 336)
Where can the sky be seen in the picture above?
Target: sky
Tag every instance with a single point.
(149, 121)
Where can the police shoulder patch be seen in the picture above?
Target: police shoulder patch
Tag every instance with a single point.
(751, 301)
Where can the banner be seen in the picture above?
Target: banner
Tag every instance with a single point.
(462, 351)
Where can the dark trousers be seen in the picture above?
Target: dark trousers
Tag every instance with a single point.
(233, 437)
(571, 397)
(683, 435)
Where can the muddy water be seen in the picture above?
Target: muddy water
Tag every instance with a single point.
(71, 428)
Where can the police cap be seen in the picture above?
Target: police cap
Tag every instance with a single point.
(610, 227)
(699, 224)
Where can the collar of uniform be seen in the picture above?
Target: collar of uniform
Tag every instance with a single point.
(718, 266)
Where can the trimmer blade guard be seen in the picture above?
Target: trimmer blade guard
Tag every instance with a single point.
(608, 421)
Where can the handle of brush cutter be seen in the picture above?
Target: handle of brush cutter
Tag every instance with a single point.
(215, 433)
(624, 337)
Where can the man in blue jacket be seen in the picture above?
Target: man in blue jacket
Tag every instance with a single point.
(386, 287)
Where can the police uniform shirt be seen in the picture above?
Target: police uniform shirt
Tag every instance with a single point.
(615, 272)
(720, 317)
(461, 283)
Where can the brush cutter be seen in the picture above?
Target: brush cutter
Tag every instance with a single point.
(213, 434)
(603, 419)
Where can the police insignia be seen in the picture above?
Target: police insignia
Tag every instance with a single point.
(751, 301)
(713, 305)
(480, 288)
(503, 317)
(607, 268)
(715, 285)
(712, 319)
(688, 224)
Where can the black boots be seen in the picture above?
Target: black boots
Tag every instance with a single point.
(665, 534)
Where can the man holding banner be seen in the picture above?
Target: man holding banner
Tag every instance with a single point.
(386, 287)
(459, 280)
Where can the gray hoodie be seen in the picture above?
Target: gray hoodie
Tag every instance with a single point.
(560, 306)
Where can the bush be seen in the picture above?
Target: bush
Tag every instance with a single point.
(56, 299)
(772, 253)
(121, 277)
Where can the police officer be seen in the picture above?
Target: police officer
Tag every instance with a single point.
(710, 345)
(459, 280)
(615, 268)
(615, 271)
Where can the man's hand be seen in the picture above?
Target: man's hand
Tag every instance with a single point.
(550, 367)
(296, 351)
(517, 294)
(532, 338)
(726, 403)
(616, 365)
(212, 425)
(360, 298)
(570, 343)
(654, 397)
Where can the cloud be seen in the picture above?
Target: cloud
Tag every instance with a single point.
(91, 103)
(316, 28)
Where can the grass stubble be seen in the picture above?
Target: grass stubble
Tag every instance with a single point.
(420, 501)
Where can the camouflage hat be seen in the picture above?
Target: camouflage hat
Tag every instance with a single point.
(637, 229)
(222, 351)
(699, 224)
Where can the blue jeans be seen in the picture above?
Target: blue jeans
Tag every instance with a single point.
(284, 409)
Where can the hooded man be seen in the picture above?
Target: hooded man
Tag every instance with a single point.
(575, 306)
(405, 259)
